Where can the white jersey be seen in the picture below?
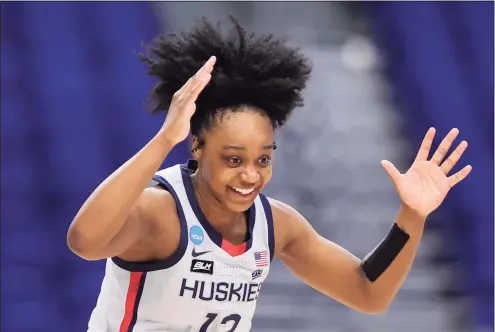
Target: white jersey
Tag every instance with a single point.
(206, 285)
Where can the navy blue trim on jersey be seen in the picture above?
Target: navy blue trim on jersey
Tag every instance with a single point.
(269, 222)
(212, 233)
(178, 253)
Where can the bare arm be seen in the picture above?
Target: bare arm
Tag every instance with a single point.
(121, 200)
(337, 273)
(120, 212)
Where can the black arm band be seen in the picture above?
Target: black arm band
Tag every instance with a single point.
(381, 258)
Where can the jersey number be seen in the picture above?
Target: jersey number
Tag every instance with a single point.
(230, 318)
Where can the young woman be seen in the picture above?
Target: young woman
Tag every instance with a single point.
(190, 251)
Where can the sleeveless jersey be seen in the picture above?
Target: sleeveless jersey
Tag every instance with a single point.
(206, 285)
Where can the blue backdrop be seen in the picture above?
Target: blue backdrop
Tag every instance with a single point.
(439, 58)
(72, 96)
(71, 112)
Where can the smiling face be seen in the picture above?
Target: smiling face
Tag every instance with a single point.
(235, 162)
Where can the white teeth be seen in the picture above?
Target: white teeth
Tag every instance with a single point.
(243, 191)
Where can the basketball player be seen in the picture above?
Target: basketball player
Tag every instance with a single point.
(190, 252)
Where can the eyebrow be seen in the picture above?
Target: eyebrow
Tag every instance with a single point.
(236, 147)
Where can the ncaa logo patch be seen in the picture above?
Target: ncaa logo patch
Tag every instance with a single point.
(196, 235)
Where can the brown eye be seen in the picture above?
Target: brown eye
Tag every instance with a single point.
(233, 161)
(265, 161)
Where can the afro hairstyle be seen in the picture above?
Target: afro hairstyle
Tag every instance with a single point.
(258, 71)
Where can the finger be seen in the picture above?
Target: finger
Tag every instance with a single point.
(196, 90)
(199, 81)
(444, 147)
(208, 66)
(459, 176)
(196, 79)
(454, 157)
(391, 170)
(424, 149)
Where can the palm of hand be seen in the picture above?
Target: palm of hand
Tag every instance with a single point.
(423, 187)
(426, 184)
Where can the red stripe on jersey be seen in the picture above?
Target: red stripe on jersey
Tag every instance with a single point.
(132, 301)
(232, 249)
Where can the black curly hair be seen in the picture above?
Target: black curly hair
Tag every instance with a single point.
(260, 71)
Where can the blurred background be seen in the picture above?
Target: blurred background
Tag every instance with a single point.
(72, 93)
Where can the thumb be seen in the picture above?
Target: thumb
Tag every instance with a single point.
(392, 172)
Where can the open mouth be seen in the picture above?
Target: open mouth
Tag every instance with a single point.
(244, 192)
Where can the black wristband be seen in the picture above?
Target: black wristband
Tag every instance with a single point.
(381, 258)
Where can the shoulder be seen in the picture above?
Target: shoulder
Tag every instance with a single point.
(281, 209)
(156, 197)
(155, 203)
(288, 225)
(157, 207)
(157, 211)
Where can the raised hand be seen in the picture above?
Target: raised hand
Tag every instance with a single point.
(426, 184)
(177, 123)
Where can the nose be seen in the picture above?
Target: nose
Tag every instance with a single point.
(250, 175)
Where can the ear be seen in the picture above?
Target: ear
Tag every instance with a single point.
(197, 144)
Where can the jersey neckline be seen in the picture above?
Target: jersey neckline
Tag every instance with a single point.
(213, 234)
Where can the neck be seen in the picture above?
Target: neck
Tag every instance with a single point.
(215, 212)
